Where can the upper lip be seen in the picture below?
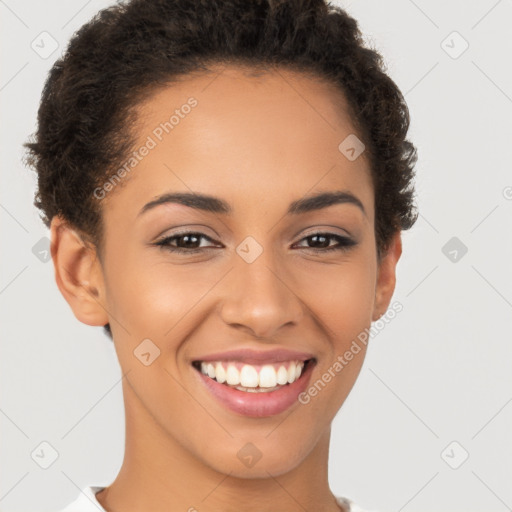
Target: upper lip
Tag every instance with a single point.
(251, 356)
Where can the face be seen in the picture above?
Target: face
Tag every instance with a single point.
(251, 267)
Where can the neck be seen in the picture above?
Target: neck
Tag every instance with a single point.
(160, 474)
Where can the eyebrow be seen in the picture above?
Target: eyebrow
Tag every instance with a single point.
(214, 204)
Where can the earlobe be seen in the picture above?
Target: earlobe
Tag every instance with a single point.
(386, 278)
(78, 273)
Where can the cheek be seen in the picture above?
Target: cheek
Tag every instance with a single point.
(342, 295)
(149, 297)
(341, 298)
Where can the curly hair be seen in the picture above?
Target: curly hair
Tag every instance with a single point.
(88, 106)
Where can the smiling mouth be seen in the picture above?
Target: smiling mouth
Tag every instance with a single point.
(261, 378)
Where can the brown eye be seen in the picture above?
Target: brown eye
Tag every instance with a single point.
(186, 242)
(321, 242)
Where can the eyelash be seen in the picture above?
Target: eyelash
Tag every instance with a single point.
(344, 243)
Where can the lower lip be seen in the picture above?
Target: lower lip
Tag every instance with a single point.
(259, 404)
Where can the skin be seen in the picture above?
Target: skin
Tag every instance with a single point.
(259, 143)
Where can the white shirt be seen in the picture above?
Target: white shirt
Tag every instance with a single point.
(87, 502)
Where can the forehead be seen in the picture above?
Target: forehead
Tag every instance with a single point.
(240, 134)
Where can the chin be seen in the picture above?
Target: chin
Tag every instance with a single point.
(249, 462)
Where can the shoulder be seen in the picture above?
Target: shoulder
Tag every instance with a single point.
(349, 505)
(86, 501)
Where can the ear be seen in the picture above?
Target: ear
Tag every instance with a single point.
(386, 278)
(78, 273)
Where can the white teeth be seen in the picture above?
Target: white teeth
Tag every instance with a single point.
(282, 375)
(248, 378)
(232, 376)
(220, 373)
(291, 373)
(268, 377)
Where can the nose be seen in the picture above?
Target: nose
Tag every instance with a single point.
(260, 299)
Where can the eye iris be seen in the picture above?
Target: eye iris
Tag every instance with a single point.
(315, 238)
(188, 240)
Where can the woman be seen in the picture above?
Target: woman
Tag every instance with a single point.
(225, 184)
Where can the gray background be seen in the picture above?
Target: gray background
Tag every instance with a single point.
(439, 372)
